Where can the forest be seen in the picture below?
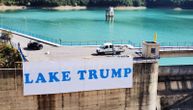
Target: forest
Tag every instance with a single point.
(169, 3)
(101, 3)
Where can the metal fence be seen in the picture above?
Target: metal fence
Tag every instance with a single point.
(64, 42)
(82, 43)
(17, 46)
(57, 41)
(177, 44)
(97, 42)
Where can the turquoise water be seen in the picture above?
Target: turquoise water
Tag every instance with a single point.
(176, 61)
(90, 25)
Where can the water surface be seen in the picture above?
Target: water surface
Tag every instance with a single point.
(90, 25)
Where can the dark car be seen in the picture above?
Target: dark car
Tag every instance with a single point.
(34, 46)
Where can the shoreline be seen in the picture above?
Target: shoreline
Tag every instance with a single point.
(61, 8)
(12, 8)
(130, 8)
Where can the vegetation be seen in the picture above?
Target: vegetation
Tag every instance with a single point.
(6, 36)
(8, 56)
(101, 3)
(170, 3)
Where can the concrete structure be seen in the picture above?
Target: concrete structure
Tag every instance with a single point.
(143, 95)
(136, 98)
(177, 52)
(110, 14)
(150, 49)
(175, 87)
(174, 92)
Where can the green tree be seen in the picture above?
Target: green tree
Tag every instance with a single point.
(6, 36)
(8, 56)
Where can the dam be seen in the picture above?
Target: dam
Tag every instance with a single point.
(174, 91)
(114, 99)
(153, 86)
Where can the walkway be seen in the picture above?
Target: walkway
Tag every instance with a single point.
(54, 52)
(61, 53)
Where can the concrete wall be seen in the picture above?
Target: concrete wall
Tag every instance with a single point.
(175, 87)
(136, 98)
(176, 53)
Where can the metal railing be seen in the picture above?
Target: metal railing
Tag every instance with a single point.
(176, 46)
(87, 43)
(17, 46)
(57, 41)
(165, 45)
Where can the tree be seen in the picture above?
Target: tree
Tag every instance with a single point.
(6, 36)
(8, 56)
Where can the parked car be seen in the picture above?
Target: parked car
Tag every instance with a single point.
(109, 48)
(34, 46)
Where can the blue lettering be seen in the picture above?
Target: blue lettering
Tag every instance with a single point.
(53, 77)
(92, 74)
(27, 80)
(116, 73)
(102, 73)
(66, 76)
(127, 72)
(82, 73)
(40, 78)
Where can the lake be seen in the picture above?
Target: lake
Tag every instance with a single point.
(90, 25)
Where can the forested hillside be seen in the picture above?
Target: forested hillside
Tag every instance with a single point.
(170, 3)
(102, 3)
(97, 3)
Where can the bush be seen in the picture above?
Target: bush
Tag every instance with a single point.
(8, 56)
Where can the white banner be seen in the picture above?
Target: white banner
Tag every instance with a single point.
(75, 75)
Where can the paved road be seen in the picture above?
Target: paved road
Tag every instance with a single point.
(52, 53)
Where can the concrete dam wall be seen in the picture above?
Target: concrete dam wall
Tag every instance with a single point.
(175, 87)
(142, 96)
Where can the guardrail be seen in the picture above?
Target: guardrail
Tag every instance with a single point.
(177, 44)
(170, 44)
(21, 54)
(17, 46)
(170, 48)
(64, 42)
(37, 36)
(90, 43)
(96, 42)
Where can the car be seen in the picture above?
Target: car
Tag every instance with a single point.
(34, 46)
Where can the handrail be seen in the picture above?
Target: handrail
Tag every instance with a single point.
(21, 54)
(88, 43)
(17, 46)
